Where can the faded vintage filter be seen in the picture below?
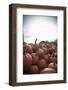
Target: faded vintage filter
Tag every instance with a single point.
(40, 44)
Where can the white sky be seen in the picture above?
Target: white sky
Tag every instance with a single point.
(40, 27)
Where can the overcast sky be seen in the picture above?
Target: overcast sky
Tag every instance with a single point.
(40, 27)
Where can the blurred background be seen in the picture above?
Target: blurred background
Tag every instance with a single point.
(41, 27)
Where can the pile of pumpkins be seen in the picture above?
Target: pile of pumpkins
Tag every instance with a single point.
(40, 58)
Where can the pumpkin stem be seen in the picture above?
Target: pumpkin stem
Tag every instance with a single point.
(36, 41)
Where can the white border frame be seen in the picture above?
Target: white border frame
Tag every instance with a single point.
(46, 77)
